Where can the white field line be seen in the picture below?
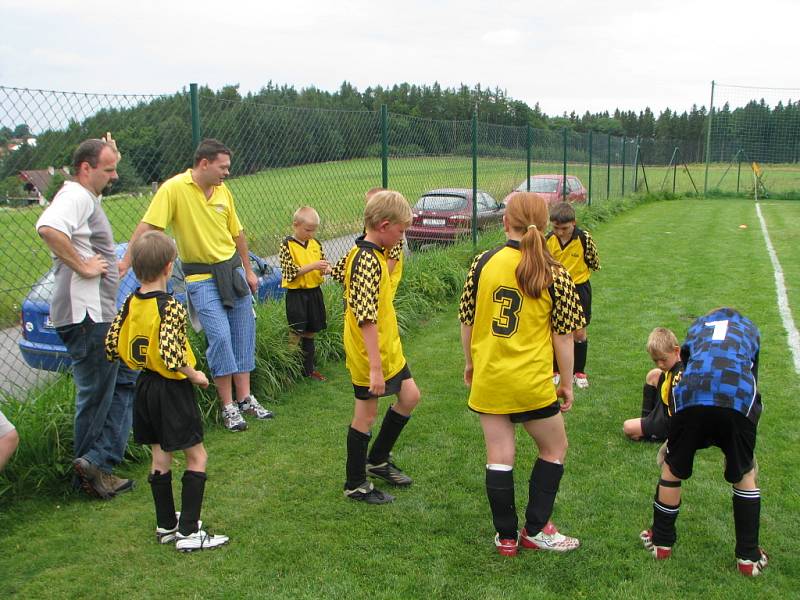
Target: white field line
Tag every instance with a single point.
(783, 299)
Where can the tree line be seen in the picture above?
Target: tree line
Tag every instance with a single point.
(281, 126)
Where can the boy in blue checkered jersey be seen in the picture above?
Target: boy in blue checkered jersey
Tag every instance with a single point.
(716, 403)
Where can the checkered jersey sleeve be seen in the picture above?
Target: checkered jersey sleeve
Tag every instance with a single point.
(288, 266)
(591, 256)
(365, 281)
(396, 251)
(567, 313)
(338, 269)
(112, 337)
(321, 251)
(466, 307)
(172, 335)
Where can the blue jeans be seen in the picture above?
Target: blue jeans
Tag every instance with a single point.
(231, 333)
(103, 398)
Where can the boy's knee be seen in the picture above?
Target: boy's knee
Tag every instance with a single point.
(653, 375)
(632, 428)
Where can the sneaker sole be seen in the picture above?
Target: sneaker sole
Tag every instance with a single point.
(204, 548)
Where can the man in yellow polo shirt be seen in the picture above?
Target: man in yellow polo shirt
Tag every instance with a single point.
(219, 279)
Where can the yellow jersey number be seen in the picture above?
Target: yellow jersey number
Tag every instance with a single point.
(510, 301)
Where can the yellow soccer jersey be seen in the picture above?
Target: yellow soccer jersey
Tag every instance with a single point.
(396, 253)
(666, 385)
(149, 332)
(512, 347)
(368, 297)
(293, 255)
(578, 255)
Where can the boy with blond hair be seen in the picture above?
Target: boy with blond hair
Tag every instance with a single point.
(653, 425)
(149, 333)
(304, 264)
(374, 353)
(574, 248)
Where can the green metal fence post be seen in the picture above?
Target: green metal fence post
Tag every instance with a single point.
(636, 167)
(739, 169)
(590, 167)
(384, 146)
(474, 179)
(608, 170)
(528, 144)
(564, 181)
(194, 107)
(623, 165)
(708, 139)
(675, 166)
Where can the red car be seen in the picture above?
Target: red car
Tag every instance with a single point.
(551, 187)
(445, 215)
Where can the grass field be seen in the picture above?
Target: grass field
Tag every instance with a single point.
(276, 489)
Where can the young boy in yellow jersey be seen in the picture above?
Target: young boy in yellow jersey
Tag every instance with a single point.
(373, 351)
(653, 425)
(304, 264)
(394, 255)
(574, 248)
(149, 334)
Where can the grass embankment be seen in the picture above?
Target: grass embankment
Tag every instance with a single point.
(276, 489)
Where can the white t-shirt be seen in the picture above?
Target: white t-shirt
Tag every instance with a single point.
(78, 214)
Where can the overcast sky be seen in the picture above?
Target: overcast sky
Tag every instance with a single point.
(567, 55)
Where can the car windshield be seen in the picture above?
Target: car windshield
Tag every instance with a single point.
(538, 184)
(441, 203)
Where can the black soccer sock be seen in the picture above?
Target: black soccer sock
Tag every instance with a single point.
(649, 399)
(542, 490)
(308, 350)
(392, 426)
(580, 348)
(746, 515)
(357, 444)
(161, 486)
(500, 490)
(192, 490)
(664, 517)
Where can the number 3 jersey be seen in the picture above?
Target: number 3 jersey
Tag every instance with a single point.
(720, 355)
(149, 332)
(512, 347)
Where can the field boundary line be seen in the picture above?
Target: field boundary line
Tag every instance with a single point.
(793, 336)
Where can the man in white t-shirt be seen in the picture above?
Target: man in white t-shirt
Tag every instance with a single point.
(78, 233)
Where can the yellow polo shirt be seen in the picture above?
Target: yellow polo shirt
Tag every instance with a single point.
(204, 228)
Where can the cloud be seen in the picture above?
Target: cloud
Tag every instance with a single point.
(502, 37)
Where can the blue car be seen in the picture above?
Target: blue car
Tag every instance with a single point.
(42, 348)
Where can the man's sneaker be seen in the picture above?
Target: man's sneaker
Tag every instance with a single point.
(556, 377)
(658, 552)
(368, 494)
(581, 380)
(751, 568)
(389, 472)
(548, 539)
(199, 540)
(93, 480)
(318, 376)
(506, 546)
(119, 485)
(250, 406)
(166, 536)
(233, 418)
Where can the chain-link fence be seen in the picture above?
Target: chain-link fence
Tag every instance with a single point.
(754, 141)
(284, 157)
